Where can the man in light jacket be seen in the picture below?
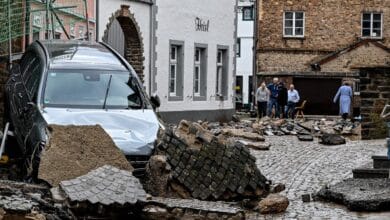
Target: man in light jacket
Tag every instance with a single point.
(292, 100)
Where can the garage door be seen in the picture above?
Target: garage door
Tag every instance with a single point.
(319, 93)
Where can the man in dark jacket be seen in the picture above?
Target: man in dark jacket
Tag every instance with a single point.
(282, 98)
(273, 98)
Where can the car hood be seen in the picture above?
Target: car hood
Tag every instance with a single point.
(133, 131)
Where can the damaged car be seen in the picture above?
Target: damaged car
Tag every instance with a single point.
(79, 83)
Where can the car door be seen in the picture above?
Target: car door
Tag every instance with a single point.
(18, 98)
(34, 124)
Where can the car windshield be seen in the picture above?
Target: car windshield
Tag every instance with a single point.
(91, 89)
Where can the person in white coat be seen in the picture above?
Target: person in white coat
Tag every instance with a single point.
(344, 95)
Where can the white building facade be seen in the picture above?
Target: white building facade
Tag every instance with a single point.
(183, 50)
(245, 39)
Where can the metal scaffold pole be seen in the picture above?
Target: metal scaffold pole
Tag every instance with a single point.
(87, 18)
(9, 34)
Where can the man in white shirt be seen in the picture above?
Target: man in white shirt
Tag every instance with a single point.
(292, 100)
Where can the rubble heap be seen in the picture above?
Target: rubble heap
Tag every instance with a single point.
(29, 201)
(208, 167)
(73, 151)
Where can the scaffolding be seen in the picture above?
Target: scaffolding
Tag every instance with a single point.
(19, 19)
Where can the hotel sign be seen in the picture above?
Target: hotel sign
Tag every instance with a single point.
(202, 25)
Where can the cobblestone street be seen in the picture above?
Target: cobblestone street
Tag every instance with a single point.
(304, 167)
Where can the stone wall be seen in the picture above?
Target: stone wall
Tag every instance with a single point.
(367, 55)
(329, 24)
(375, 93)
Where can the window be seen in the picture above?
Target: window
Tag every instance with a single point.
(197, 71)
(57, 36)
(247, 13)
(173, 71)
(175, 78)
(75, 88)
(219, 72)
(81, 32)
(222, 73)
(200, 72)
(238, 47)
(294, 24)
(71, 29)
(372, 25)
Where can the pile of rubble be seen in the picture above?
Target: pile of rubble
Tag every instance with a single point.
(331, 132)
(199, 171)
(194, 161)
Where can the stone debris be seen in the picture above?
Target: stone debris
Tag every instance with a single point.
(158, 173)
(106, 185)
(332, 139)
(256, 145)
(359, 194)
(28, 201)
(305, 138)
(273, 203)
(221, 169)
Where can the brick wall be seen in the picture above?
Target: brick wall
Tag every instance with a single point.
(329, 24)
(375, 93)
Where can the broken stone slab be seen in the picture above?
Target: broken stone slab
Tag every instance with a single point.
(369, 173)
(106, 185)
(332, 139)
(305, 137)
(169, 208)
(381, 162)
(273, 203)
(243, 134)
(359, 194)
(221, 170)
(256, 145)
(17, 203)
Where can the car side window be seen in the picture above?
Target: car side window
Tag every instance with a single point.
(32, 77)
(27, 59)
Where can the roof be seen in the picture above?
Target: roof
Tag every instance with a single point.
(83, 54)
(327, 58)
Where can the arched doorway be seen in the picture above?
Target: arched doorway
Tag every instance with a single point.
(123, 34)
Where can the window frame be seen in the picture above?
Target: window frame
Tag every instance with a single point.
(238, 47)
(173, 63)
(197, 65)
(219, 74)
(371, 25)
(252, 13)
(294, 24)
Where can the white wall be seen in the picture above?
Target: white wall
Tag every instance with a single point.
(176, 21)
(245, 61)
(141, 13)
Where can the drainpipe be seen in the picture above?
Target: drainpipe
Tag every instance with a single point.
(97, 2)
(254, 63)
(151, 46)
(87, 18)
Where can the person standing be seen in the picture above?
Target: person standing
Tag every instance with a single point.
(282, 99)
(262, 97)
(344, 95)
(273, 97)
(292, 100)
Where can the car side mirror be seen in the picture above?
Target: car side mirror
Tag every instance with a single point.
(155, 100)
(15, 69)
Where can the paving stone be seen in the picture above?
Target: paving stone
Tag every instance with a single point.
(305, 167)
(111, 180)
